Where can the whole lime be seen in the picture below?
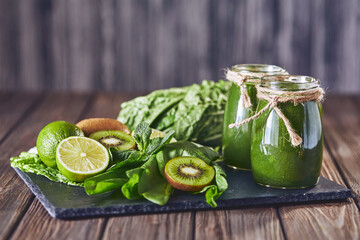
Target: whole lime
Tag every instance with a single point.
(50, 137)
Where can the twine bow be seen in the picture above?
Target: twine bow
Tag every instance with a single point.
(240, 80)
(274, 97)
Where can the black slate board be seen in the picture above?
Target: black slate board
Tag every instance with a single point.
(68, 202)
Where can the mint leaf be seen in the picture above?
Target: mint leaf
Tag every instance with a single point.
(142, 135)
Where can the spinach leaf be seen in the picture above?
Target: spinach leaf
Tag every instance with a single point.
(110, 180)
(134, 160)
(152, 185)
(211, 194)
(220, 177)
(214, 191)
(148, 108)
(130, 188)
(194, 112)
(119, 156)
(116, 176)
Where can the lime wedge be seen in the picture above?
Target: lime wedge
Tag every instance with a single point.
(79, 158)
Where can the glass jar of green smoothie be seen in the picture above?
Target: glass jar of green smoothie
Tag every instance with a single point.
(287, 137)
(241, 104)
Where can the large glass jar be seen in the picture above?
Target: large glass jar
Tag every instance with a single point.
(236, 141)
(275, 161)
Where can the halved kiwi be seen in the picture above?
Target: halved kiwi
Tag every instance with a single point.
(115, 139)
(92, 125)
(188, 173)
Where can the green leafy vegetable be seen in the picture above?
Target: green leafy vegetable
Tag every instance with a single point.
(142, 135)
(185, 148)
(105, 182)
(31, 162)
(152, 185)
(148, 108)
(194, 112)
(128, 165)
(130, 188)
(141, 175)
(137, 173)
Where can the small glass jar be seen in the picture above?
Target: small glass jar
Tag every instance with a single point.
(275, 161)
(236, 141)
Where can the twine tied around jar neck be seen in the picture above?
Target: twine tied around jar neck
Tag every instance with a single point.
(276, 96)
(240, 79)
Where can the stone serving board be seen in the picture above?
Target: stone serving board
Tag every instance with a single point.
(69, 202)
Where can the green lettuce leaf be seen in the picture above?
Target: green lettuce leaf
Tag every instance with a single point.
(31, 162)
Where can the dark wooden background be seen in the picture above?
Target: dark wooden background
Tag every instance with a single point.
(109, 45)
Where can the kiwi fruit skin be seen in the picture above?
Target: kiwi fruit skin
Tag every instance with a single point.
(91, 125)
(191, 162)
(127, 143)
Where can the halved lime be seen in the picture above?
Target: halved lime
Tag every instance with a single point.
(79, 158)
(156, 133)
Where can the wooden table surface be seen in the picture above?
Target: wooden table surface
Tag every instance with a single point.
(22, 115)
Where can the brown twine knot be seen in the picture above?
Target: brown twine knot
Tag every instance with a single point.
(276, 96)
(240, 79)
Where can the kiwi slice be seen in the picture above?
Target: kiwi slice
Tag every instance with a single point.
(188, 173)
(114, 138)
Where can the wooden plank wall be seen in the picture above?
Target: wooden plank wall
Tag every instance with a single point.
(128, 45)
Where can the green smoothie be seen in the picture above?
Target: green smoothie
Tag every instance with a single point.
(275, 161)
(236, 141)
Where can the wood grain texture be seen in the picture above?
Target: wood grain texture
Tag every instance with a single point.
(107, 105)
(255, 223)
(37, 224)
(9, 117)
(342, 122)
(325, 220)
(156, 226)
(145, 45)
(15, 196)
